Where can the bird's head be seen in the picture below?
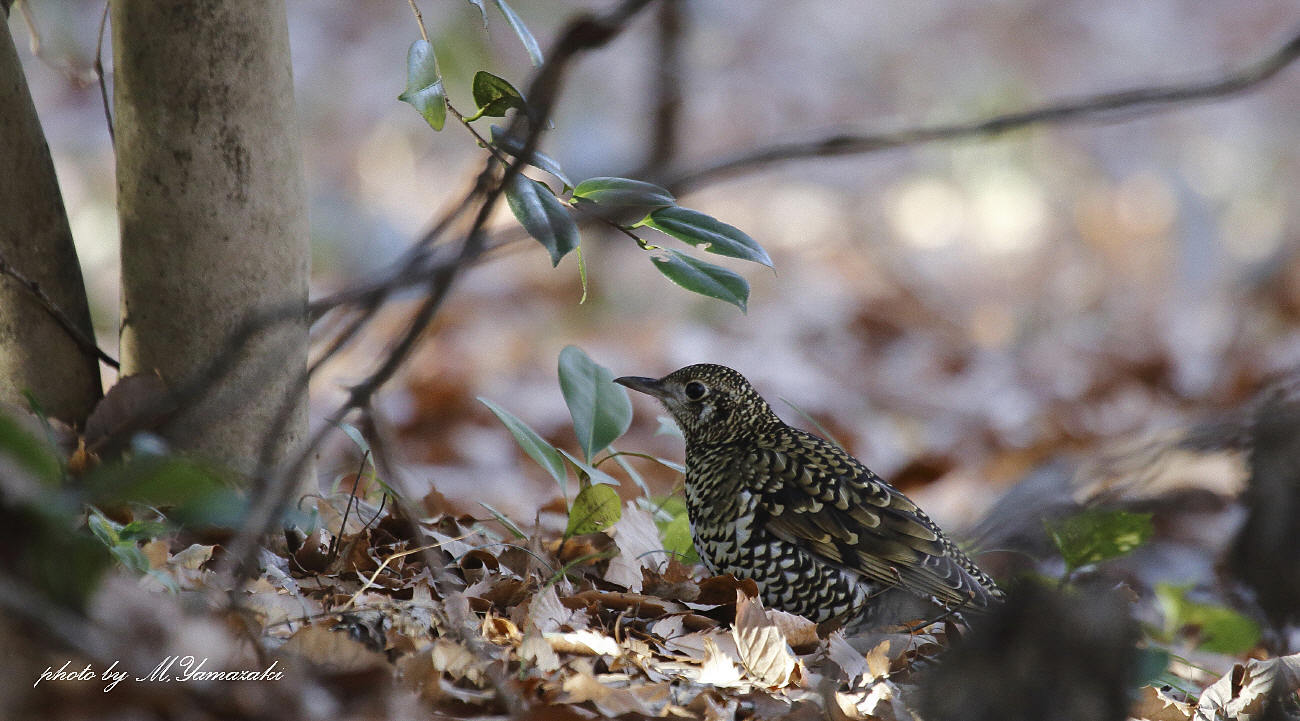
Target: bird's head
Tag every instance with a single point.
(711, 403)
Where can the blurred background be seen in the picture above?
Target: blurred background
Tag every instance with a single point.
(957, 314)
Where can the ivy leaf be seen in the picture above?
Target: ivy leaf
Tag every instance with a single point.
(698, 229)
(424, 89)
(703, 278)
(623, 192)
(1098, 535)
(525, 37)
(540, 160)
(596, 508)
(536, 448)
(600, 409)
(494, 96)
(543, 216)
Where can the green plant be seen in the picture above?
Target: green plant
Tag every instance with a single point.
(547, 213)
(601, 414)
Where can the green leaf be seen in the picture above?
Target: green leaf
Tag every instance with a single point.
(676, 533)
(592, 473)
(696, 228)
(1098, 535)
(618, 192)
(505, 521)
(198, 494)
(540, 160)
(621, 460)
(1222, 630)
(125, 551)
(600, 409)
(543, 216)
(1151, 665)
(482, 10)
(596, 508)
(703, 278)
(525, 37)
(424, 89)
(668, 427)
(28, 452)
(536, 448)
(494, 96)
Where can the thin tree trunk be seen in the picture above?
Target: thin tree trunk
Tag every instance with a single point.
(41, 288)
(213, 214)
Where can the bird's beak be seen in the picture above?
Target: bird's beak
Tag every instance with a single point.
(648, 386)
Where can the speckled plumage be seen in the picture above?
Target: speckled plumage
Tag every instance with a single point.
(820, 534)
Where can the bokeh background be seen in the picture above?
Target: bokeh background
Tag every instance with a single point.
(957, 314)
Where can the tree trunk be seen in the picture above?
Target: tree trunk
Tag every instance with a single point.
(213, 216)
(38, 355)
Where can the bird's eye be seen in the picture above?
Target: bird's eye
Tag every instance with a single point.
(695, 390)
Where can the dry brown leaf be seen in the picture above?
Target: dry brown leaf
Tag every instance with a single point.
(546, 613)
(1244, 689)
(455, 660)
(583, 687)
(1154, 704)
(799, 632)
(332, 651)
(536, 650)
(156, 553)
(718, 669)
(192, 558)
(842, 653)
(586, 643)
(642, 605)
(763, 649)
(500, 631)
(639, 546)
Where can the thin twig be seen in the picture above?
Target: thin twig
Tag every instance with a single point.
(99, 73)
(419, 20)
(86, 343)
(1090, 108)
(347, 510)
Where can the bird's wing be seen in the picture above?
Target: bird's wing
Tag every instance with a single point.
(822, 499)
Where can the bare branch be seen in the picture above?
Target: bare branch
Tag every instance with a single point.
(86, 343)
(1102, 107)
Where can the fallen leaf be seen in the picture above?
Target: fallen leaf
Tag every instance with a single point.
(718, 668)
(586, 643)
(639, 547)
(1244, 689)
(536, 650)
(332, 651)
(763, 649)
(1154, 704)
(546, 613)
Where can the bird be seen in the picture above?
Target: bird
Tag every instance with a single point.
(819, 533)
